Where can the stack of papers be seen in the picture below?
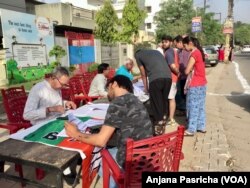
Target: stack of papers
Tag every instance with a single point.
(82, 126)
(97, 111)
(138, 91)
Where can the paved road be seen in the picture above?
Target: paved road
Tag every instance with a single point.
(230, 93)
(244, 62)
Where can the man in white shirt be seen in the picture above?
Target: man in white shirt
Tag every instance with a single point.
(160, 48)
(45, 100)
(98, 84)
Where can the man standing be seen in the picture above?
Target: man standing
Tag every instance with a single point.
(97, 87)
(183, 55)
(173, 62)
(45, 100)
(153, 66)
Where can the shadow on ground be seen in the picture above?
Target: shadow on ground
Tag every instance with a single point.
(240, 99)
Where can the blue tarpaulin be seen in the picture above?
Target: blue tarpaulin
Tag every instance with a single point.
(81, 54)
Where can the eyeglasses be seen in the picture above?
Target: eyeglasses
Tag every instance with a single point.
(62, 84)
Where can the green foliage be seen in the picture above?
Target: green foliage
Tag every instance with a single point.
(107, 21)
(211, 31)
(11, 65)
(242, 33)
(131, 20)
(58, 52)
(72, 68)
(93, 67)
(143, 45)
(174, 18)
(54, 64)
(27, 74)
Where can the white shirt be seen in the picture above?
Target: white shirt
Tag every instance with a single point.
(41, 96)
(97, 87)
(160, 50)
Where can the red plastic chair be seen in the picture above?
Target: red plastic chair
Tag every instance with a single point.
(14, 100)
(78, 92)
(66, 93)
(111, 73)
(156, 154)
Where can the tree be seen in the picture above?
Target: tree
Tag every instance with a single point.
(107, 21)
(58, 52)
(174, 18)
(242, 33)
(11, 66)
(132, 17)
(211, 30)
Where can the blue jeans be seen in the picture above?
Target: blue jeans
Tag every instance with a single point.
(196, 97)
(112, 183)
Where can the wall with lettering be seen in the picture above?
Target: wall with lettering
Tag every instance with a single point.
(27, 37)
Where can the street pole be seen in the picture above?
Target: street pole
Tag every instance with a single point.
(228, 35)
(205, 5)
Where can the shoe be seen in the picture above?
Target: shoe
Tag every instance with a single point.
(159, 128)
(70, 178)
(172, 123)
(201, 131)
(187, 133)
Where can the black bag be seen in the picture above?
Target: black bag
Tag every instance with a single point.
(112, 141)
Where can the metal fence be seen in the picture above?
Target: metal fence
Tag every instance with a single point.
(110, 55)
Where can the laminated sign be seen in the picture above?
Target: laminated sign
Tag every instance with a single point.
(196, 24)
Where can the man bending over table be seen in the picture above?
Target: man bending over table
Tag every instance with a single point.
(45, 100)
(126, 114)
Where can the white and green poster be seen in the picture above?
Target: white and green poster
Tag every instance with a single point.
(28, 38)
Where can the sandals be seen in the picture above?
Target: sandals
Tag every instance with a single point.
(201, 131)
(159, 128)
(187, 133)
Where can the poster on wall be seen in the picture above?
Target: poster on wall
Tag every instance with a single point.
(25, 53)
(27, 37)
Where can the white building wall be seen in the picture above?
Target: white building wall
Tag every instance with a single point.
(155, 7)
(82, 4)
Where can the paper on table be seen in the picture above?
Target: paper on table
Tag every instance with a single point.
(80, 125)
(89, 109)
(138, 91)
(139, 84)
(97, 114)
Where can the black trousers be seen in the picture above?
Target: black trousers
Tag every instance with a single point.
(158, 96)
(182, 85)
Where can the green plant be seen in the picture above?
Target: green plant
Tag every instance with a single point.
(11, 67)
(93, 67)
(58, 52)
(106, 23)
(132, 17)
(72, 68)
(54, 64)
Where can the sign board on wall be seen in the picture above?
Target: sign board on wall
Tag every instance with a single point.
(27, 37)
(30, 55)
(196, 24)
